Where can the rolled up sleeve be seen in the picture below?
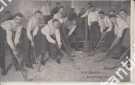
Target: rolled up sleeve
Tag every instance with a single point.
(7, 27)
(46, 31)
(109, 24)
(89, 20)
(57, 33)
(122, 25)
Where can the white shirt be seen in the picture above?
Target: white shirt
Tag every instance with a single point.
(128, 20)
(11, 26)
(60, 20)
(119, 27)
(106, 22)
(93, 16)
(33, 24)
(50, 30)
(57, 16)
(46, 10)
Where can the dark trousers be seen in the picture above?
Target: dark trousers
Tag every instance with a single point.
(2, 50)
(107, 40)
(15, 62)
(75, 42)
(118, 48)
(46, 18)
(52, 49)
(126, 42)
(28, 50)
(95, 35)
(65, 43)
(109, 37)
(68, 41)
(2, 47)
(126, 39)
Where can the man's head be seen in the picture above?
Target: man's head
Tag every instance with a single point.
(111, 12)
(101, 14)
(38, 14)
(18, 17)
(82, 10)
(113, 18)
(72, 10)
(123, 13)
(92, 8)
(61, 9)
(7, 13)
(89, 4)
(57, 5)
(46, 3)
(55, 22)
(65, 19)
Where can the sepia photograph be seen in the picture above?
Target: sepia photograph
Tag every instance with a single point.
(66, 41)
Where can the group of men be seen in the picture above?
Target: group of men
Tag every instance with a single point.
(56, 30)
(114, 30)
(13, 30)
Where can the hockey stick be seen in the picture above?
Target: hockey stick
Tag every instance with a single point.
(115, 65)
(23, 74)
(70, 61)
(67, 56)
(39, 70)
(98, 44)
(107, 52)
(35, 56)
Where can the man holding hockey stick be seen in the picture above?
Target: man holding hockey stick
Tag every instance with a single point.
(106, 30)
(120, 25)
(54, 49)
(62, 20)
(11, 31)
(126, 33)
(50, 32)
(125, 50)
(28, 38)
(67, 28)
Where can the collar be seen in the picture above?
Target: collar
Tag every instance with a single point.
(15, 23)
(35, 19)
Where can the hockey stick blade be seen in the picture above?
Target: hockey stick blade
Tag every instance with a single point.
(24, 74)
(109, 68)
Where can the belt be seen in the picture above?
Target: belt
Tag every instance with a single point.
(94, 22)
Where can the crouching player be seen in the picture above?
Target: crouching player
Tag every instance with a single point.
(50, 40)
(10, 30)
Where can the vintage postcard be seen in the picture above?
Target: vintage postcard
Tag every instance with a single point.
(67, 41)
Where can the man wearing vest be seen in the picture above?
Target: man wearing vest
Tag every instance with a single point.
(126, 18)
(28, 36)
(11, 31)
(106, 30)
(126, 34)
(120, 26)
